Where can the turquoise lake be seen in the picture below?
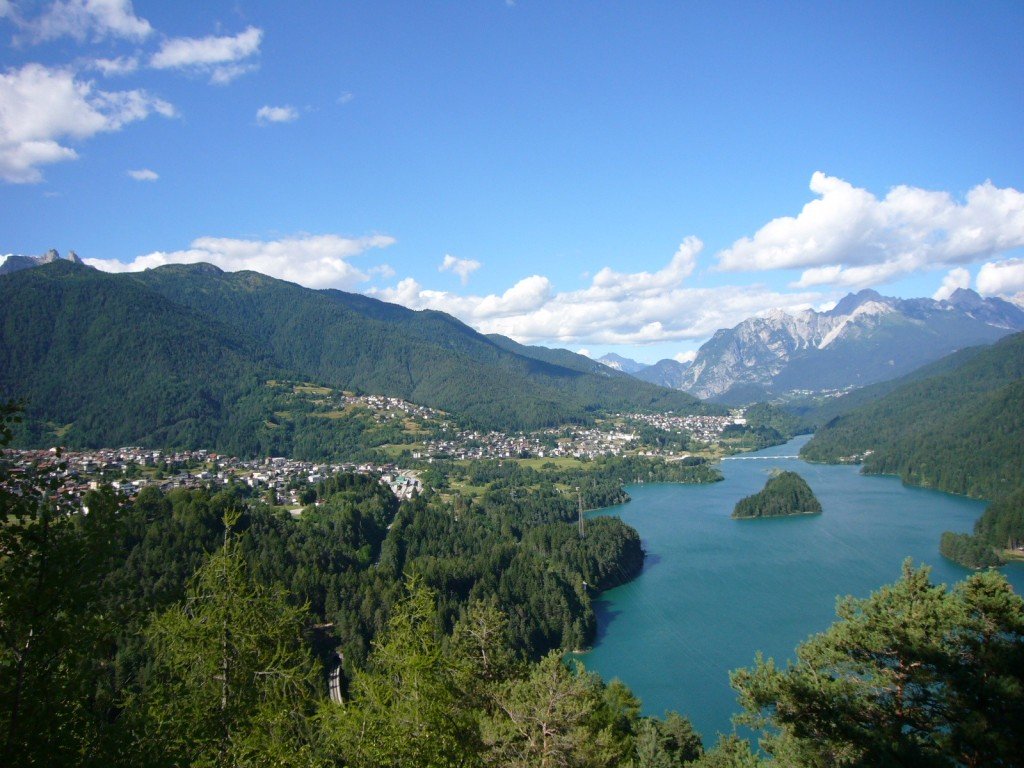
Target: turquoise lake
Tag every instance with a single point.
(715, 590)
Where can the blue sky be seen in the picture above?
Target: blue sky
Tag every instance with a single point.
(600, 176)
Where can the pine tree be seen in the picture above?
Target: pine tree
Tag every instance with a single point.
(232, 681)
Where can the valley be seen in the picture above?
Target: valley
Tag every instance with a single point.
(509, 384)
(293, 444)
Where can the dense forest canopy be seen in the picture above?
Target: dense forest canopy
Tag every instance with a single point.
(961, 431)
(785, 494)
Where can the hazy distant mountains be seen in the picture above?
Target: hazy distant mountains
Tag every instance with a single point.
(180, 355)
(864, 339)
(664, 373)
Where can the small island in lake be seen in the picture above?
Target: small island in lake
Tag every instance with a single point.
(785, 494)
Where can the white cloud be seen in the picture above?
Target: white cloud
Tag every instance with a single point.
(81, 18)
(848, 237)
(315, 261)
(956, 278)
(122, 65)
(40, 107)
(267, 114)
(461, 267)
(685, 357)
(615, 308)
(585, 352)
(144, 174)
(346, 97)
(223, 58)
(1002, 278)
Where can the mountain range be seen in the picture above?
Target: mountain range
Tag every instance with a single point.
(181, 355)
(865, 338)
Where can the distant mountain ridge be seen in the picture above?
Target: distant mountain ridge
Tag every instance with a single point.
(665, 373)
(180, 355)
(619, 363)
(13, 262)
(864, 339)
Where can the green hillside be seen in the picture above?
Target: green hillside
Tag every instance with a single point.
(961, 431)
(823, 411)
(103, 361)
(180, 356)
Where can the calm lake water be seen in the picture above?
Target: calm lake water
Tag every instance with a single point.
(715, 590)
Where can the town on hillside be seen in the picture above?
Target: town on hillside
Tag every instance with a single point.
(285, 481)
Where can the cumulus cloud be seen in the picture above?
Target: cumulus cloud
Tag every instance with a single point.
(461, 267)
(81, 19)
(144, 174)
(41, 107)
(315, 261)
(848, 237)
(267, 114)
(685, 357)
(615, 308)
(1002, 278)
(223, 58)
(956, 278)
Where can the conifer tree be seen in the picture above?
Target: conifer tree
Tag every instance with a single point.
(232, 682)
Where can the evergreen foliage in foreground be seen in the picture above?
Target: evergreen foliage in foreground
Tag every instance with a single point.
(785, 494)
(913, 675)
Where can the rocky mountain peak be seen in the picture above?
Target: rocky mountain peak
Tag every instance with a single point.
(849, 303)
(865, 338)
(619, 363)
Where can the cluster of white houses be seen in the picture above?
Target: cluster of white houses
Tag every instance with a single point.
(707, 429)
(577, 442)
(122, 469)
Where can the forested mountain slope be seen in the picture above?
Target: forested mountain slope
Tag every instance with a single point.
(178, 356)
(102, 360)
(827, 410)
(960, 431)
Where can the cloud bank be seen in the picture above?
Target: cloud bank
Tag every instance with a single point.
(1002, 278)
(844, 239)
(615, 308)
(849, 238)
(316, 261)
